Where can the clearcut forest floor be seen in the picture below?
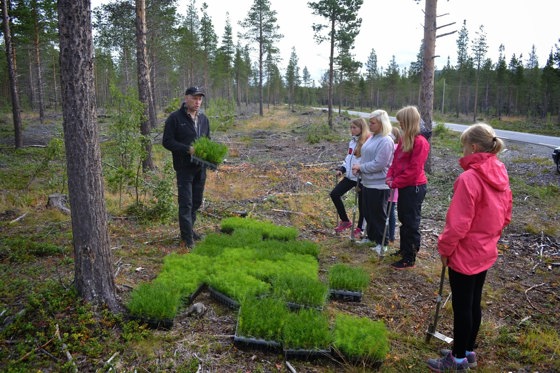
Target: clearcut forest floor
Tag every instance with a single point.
(273, 173)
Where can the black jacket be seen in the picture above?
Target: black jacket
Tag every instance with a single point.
(179, 134)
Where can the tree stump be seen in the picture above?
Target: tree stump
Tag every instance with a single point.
(59, 201)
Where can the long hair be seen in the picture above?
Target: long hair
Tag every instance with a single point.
(383, 117)
(364, 135)
(484, 136)
(409, 119)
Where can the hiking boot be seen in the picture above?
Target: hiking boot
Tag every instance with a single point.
(342, 226)
(380, 250)
(448, 364)
(471, 356)
(364, 241)
(403, 264)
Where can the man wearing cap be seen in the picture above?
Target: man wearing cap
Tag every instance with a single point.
(182, 128)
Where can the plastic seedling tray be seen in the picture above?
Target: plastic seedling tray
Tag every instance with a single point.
(345, 295)
(307, 355)
(203, 163)
(196, 293)
(222, 298)
(256, 344)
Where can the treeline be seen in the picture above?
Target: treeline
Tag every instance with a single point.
(185, 49)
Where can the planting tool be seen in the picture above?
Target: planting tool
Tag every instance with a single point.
(432, 332)
(391, 195)
(356, 191)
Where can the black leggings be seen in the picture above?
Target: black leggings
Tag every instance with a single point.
(341, 189)
(466, 296)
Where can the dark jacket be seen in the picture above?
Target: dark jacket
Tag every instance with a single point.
(179, 134)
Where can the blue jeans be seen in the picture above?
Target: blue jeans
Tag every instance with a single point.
(190, 188)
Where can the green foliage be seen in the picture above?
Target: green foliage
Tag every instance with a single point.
(221, 113)
(209, 150)
(125, 149)
(300, 290)
(361, 338)
(262, 318)
(344, 277)
(174, 104)
(154, 300)
(267, 229)
(18, 250)
(161, 207)
(307, 329)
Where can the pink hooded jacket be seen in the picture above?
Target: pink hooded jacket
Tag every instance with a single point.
(479, 211)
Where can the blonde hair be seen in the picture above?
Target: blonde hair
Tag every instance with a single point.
(365, 133)
(396, 134)
(409, 119)
(484, 136)
(383, 118)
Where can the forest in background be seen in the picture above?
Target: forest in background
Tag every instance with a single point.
(186, 49)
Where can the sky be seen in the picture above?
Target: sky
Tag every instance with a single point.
(395, 28)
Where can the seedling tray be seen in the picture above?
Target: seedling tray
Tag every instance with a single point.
(307, 355)
(345, 295)
(203, 163)
(223, 299)
(196, 293)
(161, 324)
(256, 344)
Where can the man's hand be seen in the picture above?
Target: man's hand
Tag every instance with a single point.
(191, 150)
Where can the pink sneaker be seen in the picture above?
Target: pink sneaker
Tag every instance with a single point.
(358, 232)
(343, 225)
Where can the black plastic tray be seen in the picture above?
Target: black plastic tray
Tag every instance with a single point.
(307, 355)
(256, 344)
(203, 163)
(223, 299)
(345, 295)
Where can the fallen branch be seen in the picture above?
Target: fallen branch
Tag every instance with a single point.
(19, 218)
(528, 290)
(288, 211)
(35, 349)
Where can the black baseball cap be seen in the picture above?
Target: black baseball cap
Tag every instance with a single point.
(194, 91)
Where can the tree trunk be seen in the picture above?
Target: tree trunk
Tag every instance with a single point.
(331, 76)
(93, 273)
(37, 48)
(16, 111)
(427, 94)
(144, 89)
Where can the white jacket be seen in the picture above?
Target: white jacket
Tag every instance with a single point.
(351, 159)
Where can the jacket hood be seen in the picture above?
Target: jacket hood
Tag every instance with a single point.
(489, 168)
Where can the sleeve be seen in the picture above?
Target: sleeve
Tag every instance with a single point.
(459, 217)
(382, 158)
(168, 140)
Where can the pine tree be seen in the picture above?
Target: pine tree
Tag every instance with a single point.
(261, 28)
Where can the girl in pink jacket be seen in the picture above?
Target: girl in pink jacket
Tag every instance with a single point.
(479, 211)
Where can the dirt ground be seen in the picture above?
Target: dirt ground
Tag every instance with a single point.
(522, 288)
